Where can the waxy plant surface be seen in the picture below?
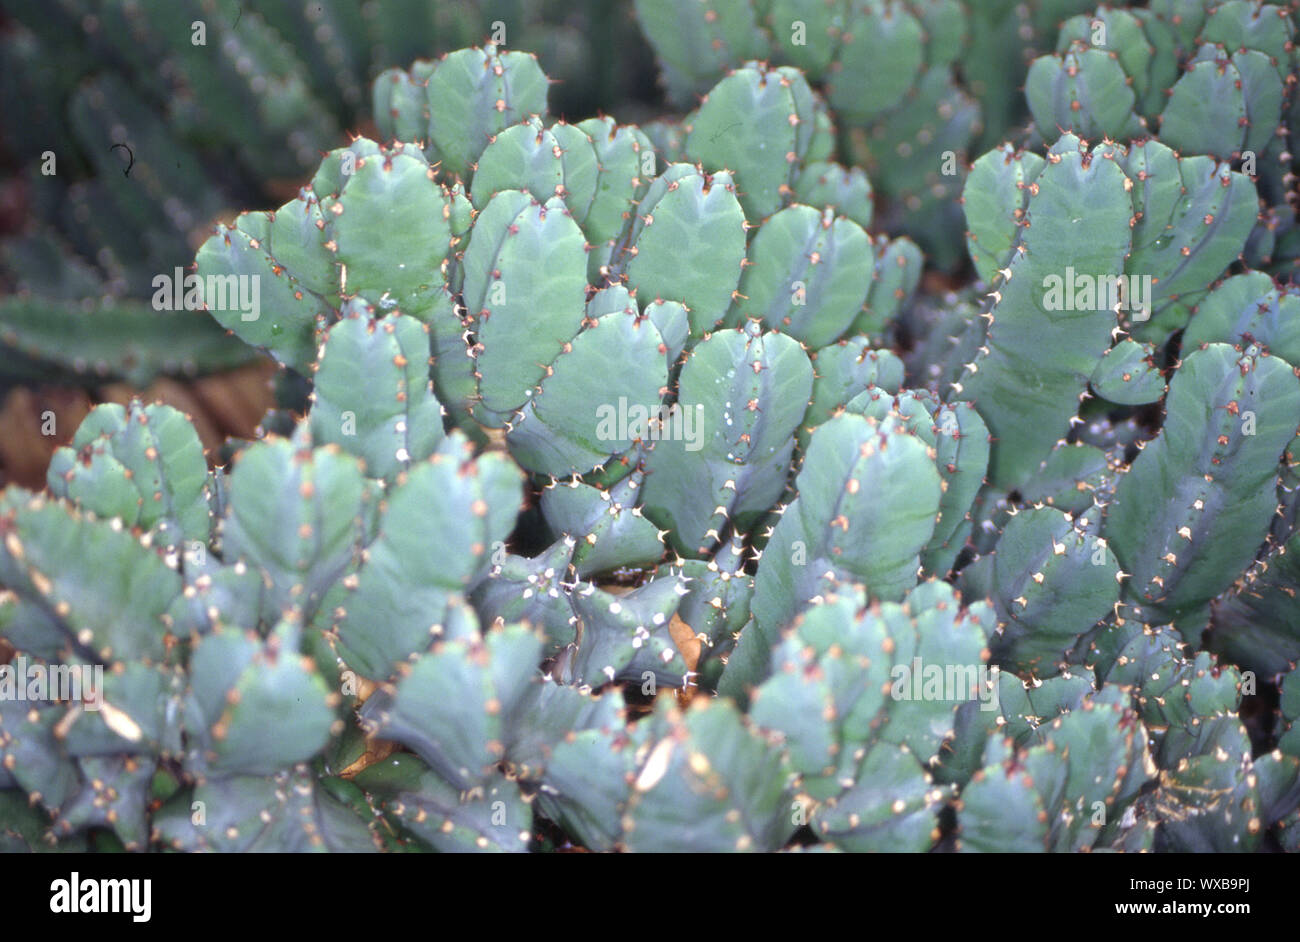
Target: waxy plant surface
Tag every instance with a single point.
(888, 445)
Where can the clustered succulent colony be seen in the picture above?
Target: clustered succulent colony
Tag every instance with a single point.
(648, 497)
